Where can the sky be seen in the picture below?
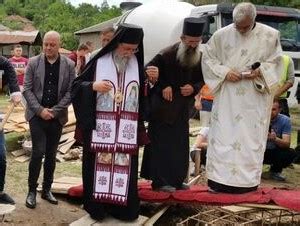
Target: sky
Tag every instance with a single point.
(99, 2)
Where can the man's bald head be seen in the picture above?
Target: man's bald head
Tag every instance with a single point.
(51, 44)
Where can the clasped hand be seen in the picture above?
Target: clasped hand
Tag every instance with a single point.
(152, 73)
(185, 90)
(234, 76)
(47, 114)
(102, 86)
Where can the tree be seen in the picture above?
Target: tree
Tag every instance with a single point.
(13, 7)
(58, 15)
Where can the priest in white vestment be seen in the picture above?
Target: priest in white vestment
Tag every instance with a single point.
(242, 65)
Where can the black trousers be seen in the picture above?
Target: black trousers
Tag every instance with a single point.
(279, 158)
(45, 135)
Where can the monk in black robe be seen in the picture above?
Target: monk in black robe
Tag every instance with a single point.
(111, 135)
(166, 158)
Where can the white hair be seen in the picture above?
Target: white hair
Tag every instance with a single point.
(243, 10)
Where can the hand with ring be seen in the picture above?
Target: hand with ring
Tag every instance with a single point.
(233, 76)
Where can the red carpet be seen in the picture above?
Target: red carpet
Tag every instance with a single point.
(199, 194)
(287, 198)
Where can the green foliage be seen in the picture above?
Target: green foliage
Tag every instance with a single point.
(57, 15)
(13, 7)
(15, 25)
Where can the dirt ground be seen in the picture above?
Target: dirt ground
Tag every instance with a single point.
(45, 213)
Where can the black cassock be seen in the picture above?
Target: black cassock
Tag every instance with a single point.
(84, 103)
(166, 158)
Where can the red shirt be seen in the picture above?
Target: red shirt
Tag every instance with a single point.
(19, 63)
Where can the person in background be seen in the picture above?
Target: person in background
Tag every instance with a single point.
(15, 94)
(90, 45)
(286, 82)
(178, 69)
(19, 63)
(241, 64)
(79, 57)
(47, 87)
(200, 145)
(106, 36)
(278, 152)
(203, 103)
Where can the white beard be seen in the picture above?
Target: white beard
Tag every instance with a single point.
(188, 57)
(121, 62)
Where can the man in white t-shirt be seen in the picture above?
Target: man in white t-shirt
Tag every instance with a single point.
(201, 146)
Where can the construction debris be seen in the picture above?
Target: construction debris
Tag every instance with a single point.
(17, 122)
(65, 150)
(237, 215)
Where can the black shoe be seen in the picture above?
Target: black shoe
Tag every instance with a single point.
(47, 195)
(166, 188)
(6, 199)
(31, 200)
(277, 176)
(184, 186)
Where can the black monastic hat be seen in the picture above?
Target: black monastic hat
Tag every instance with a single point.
(133, 34)
(193, 26)
(126, 33)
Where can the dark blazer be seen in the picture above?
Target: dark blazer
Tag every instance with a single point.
(34, 85)
(9, 75)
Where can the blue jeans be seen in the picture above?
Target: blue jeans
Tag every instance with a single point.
(2, 161)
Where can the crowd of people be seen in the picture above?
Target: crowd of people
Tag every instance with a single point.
(239, 81)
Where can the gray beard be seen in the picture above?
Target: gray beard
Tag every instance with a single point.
(121, 62)
(188, 57)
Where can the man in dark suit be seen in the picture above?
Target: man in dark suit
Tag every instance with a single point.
(11, 78)
(47, 86)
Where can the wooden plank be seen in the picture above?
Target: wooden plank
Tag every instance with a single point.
(194, 180)
(66, 136)
(23, 158)
(6, 116)
(59, 158)
(6, 208)
(85, 220)
(61, 188)
(68, 129)
(236, 209)
(65, 148)
(109, 221)
(18, 153)
(23, 126)
(156, 216)
(69, 180)
(17, 118)
(19, 130)
(263, 206)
